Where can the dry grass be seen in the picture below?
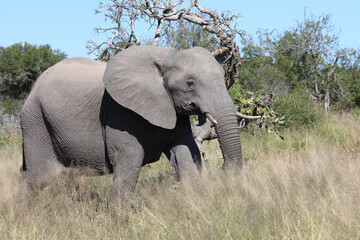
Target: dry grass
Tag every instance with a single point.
(304, 187)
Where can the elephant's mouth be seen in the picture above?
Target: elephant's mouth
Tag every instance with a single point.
(187, 108)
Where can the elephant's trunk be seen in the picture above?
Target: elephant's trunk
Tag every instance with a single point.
(228, 134)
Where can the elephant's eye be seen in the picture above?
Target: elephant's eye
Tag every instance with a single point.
(190, 83)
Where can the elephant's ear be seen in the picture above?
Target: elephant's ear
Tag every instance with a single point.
(135, 81)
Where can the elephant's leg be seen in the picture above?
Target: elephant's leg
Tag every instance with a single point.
(185, 157)
(126, 155)
(40, 163)
(204, 171)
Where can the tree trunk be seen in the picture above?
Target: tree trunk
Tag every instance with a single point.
(327, 102)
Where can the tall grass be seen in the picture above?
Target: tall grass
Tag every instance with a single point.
(306, 186)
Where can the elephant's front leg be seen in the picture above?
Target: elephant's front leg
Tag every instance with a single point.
(185, 157)
(126, 156)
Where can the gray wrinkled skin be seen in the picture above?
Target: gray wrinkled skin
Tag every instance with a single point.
(92, 118)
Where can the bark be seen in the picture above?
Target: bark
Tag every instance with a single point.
(316, 88)
(327, 102)
(328, 86)
(307, 88)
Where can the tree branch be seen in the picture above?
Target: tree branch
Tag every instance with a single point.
(126, 13)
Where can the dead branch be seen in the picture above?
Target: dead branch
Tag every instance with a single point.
(331, 72)
(124, 14)
(203, 132)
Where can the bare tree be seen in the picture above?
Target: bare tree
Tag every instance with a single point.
(160, 14)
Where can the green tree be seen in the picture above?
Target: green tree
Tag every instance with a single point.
(349, 73)
(259, 73)
(308, 55)
(20, 65)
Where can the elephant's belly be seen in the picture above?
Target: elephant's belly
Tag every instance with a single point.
(156, 146)
(153, 156)
(85, 152)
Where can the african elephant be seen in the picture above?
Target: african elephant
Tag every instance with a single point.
(96, 118)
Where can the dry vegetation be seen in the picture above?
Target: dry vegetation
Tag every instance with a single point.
(304, 187)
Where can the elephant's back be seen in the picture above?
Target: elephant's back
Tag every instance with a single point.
(72, 76)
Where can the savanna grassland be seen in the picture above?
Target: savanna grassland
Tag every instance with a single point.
(306, 186)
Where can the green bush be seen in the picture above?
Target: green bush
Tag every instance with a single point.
(299, 109)
(7, 139)
(356, 99)
(11, 106)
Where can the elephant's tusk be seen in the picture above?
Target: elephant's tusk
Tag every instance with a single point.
(211, 118)
(247, 116)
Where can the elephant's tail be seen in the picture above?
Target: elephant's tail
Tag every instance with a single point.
(23, 167)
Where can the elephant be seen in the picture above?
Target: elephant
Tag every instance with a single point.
(93, 118)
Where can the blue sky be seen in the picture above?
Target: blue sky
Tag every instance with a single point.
(68, 24)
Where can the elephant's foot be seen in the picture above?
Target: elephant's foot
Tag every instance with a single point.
(24, 196)
(125, 178)
(121, 195)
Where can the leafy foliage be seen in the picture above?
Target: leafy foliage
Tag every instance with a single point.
(299, 109)
(309, 55)
(20, 65)
(349, 75)
(304, 68)
(255, 104)
(259, 73)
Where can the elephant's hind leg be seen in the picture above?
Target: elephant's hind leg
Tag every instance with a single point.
(40, 163)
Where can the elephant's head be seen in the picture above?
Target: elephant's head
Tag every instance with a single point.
(157, 84)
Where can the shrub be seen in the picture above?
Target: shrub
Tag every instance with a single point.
(298, 108)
